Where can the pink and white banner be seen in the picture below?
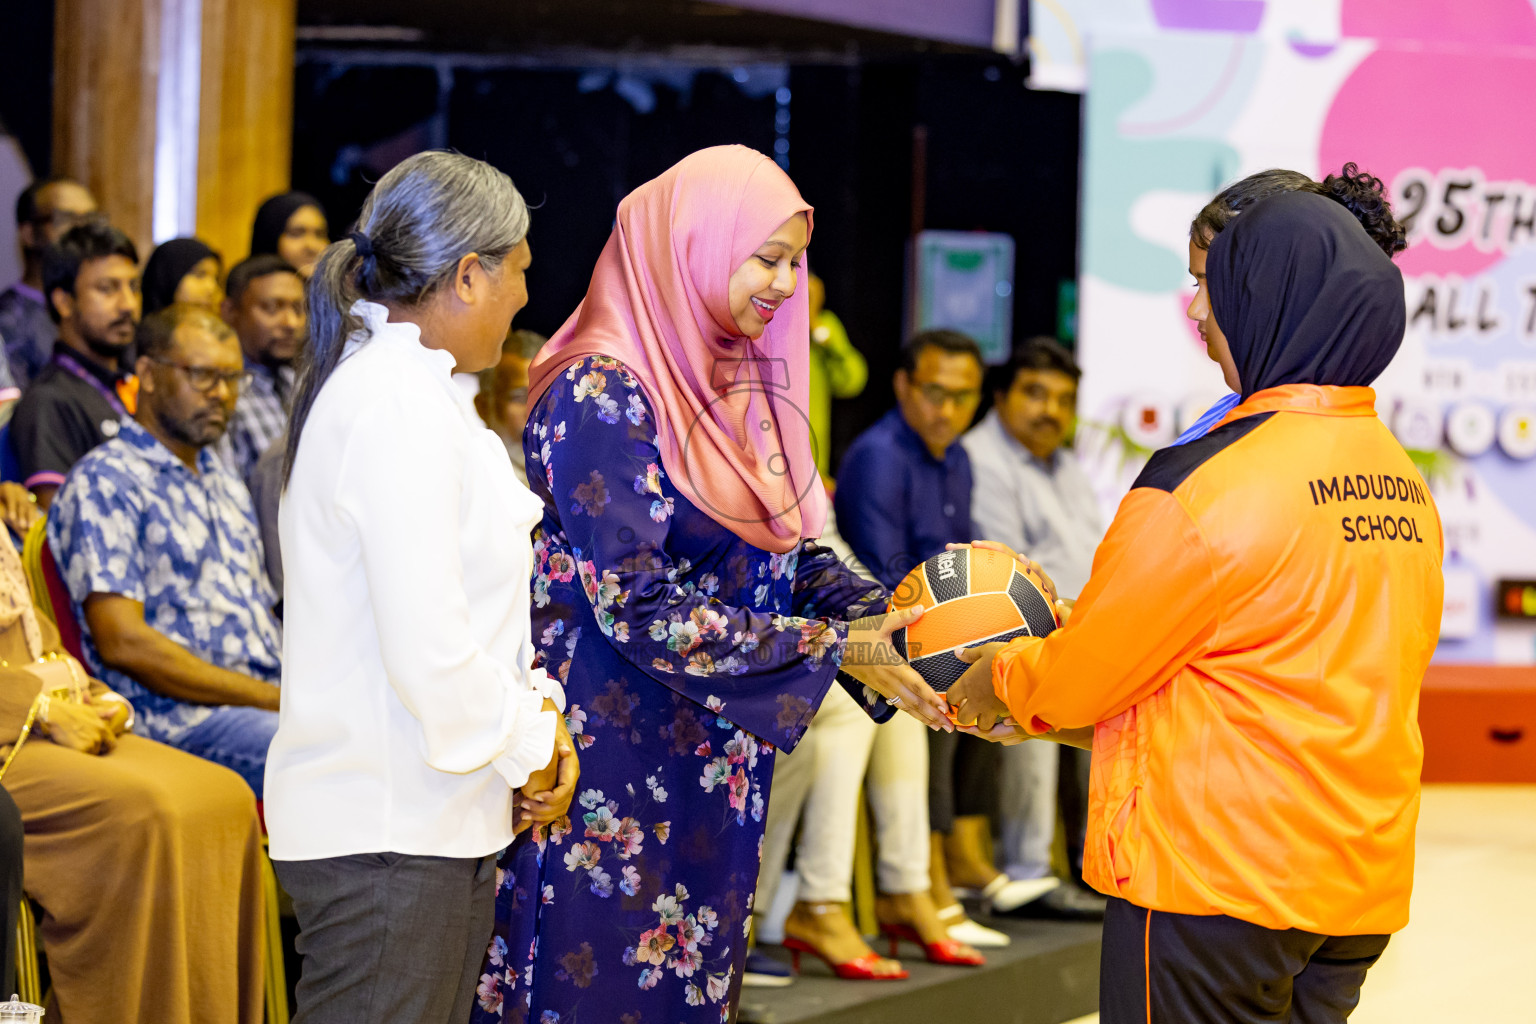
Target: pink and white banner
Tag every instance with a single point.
(1433, 98)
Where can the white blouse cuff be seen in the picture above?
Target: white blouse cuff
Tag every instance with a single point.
(532, 743)
(548, 686)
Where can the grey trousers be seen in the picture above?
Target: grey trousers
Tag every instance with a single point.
(389, 938)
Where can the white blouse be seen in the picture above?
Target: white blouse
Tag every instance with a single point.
(410, 707)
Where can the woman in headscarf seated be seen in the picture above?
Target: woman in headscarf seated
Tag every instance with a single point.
(146, 860)
(292, 225)
(183, 270)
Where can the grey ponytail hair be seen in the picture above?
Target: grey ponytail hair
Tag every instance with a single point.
(430, 211)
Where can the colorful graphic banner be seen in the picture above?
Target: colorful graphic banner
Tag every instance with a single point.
(1171, 116)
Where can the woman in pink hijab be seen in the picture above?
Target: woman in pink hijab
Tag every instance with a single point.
(682, 600)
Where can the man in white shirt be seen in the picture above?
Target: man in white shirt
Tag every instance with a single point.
(1038, 500)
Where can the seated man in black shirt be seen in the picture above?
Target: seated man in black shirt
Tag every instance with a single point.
(91, 280)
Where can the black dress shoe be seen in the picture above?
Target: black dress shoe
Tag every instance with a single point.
(1068, 903)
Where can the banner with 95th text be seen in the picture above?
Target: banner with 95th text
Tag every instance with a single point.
(1435, 110)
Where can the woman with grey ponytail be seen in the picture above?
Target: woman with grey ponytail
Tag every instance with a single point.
(416, 737)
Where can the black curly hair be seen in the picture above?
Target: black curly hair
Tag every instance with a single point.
(1359, 192)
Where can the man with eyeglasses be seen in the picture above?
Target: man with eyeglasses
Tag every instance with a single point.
(78, 400)
(45, 210)
(158, 544)
(904, 486)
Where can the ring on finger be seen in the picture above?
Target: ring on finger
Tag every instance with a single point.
(895, 701)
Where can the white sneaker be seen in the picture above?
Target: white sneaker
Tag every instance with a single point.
(979, 935)
(1016, 894)
(965, 892)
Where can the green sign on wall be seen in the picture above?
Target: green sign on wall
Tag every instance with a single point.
(964, 282)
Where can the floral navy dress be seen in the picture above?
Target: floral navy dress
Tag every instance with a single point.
(688, 656)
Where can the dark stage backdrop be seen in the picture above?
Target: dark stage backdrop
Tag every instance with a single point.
(576, 139)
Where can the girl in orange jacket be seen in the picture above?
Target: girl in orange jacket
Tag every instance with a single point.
(1248, 653)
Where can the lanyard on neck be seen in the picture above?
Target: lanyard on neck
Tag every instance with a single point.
(118, 400)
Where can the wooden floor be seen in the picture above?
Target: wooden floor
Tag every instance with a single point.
(1468, 956)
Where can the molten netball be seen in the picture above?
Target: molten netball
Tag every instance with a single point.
(969, 596)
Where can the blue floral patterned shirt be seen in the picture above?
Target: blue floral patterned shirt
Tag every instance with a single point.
(133, 519)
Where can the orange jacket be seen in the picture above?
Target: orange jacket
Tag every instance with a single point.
(1250, 648)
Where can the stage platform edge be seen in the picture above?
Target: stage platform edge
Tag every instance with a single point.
(1479, 723)
(1049, 975)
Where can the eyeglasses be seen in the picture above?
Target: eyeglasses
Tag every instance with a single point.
(205, 378)
(937, 395)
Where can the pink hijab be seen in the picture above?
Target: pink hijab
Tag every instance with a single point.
(730, 417)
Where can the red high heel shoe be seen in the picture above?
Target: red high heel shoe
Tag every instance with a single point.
(947, 951)
(858, 969)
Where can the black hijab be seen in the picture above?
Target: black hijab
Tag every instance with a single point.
(167, 265)
(1304, 296)
(272, 219)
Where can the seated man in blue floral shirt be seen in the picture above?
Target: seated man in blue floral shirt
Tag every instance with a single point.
(159, 547)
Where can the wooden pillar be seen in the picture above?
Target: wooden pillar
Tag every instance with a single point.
(105, 55)
(177, 113)
(245, 151)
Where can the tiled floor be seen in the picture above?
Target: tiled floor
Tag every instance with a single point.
(1469, 954)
